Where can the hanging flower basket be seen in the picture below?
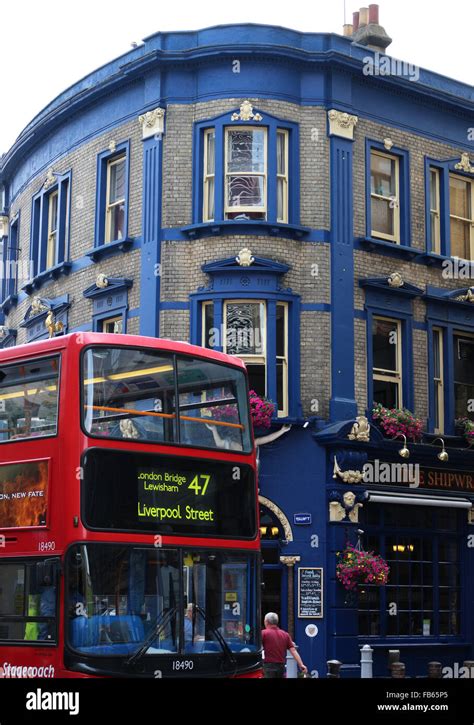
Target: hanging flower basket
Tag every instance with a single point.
(396, 421)
(361, 567)
(261, 411)
(466, 428)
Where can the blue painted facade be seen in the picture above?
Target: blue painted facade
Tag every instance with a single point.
(306, 71)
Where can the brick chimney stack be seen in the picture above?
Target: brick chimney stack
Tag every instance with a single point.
(366, 29)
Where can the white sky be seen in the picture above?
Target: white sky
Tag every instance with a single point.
(46, 46)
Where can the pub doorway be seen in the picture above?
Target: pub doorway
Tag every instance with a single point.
(274, 573)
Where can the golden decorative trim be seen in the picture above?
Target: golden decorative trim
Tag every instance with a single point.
(51, 325)
(468, 297)
(290, 560)
(347, 476)
(280, 516)
(360, 431)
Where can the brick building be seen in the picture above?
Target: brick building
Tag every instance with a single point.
(347, 175)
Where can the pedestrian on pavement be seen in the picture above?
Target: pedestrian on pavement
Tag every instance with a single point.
(276, 642)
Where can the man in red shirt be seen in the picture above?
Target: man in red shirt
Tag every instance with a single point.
(275, 644)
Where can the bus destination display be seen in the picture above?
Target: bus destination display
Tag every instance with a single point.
(173, 495)
(167, 494)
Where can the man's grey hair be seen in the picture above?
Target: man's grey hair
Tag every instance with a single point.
(271, 618)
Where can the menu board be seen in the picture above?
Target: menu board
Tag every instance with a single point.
(310, 592)
(23, 494)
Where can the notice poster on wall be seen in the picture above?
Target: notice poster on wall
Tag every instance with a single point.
(23, 494)
(310, 592)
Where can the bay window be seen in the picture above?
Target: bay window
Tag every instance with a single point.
(246, 171)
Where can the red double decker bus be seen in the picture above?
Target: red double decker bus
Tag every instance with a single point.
(128, 511)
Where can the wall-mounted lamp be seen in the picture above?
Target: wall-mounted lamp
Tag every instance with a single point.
(442, 455)
(403, 452)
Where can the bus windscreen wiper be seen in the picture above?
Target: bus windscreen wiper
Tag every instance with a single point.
(225, 647)
(161, 622)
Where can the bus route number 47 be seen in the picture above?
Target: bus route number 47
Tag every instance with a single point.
(196, 487)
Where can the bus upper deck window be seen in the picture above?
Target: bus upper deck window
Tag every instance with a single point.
(29, 395)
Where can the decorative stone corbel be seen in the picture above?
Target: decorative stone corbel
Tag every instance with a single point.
(396, 280)
(102, 281)
(342, 124)
(244, 258)
(152, 123)
(344, 508)
(50, 179)
(465, 164)
(246, 113)
(37, 306)
(468, 297)
(360, 431)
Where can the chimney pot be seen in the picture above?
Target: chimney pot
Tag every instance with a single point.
(363, 17)
(374, 14)
(355, 21)
(348, 29)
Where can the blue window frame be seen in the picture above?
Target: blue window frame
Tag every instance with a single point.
(112, 200)
(453, 322)
(50, 217)
(387, 194)
(246, 170)
(403, 345)
(446, 237)
(110, 305)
